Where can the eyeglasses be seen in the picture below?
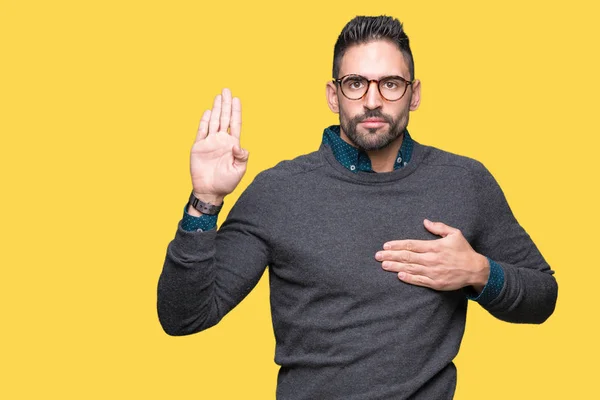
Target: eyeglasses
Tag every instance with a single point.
(355, 87)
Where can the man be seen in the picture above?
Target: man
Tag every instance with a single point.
(368, 296)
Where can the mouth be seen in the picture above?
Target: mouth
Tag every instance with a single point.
(373, 122)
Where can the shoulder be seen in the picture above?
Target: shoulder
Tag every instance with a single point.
(296, 168)
(278, 184)
(436, 158)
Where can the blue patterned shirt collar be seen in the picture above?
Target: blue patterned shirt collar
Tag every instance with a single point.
(357, 160)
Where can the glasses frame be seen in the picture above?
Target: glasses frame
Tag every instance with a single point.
(407, 83)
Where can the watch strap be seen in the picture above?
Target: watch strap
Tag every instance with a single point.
(204, 208)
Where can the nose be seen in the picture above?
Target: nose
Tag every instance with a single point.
(373, 98)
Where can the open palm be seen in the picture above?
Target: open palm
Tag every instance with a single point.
(217, 162)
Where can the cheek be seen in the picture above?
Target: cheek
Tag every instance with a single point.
(400, 113)
(343, 113)
(348, 111)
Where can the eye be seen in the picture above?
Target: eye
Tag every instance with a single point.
(354, 83)
(391, 84)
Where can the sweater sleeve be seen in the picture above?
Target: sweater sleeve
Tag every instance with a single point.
(529, 291)
(207, 273)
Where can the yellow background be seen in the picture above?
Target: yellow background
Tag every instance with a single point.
(100, 102)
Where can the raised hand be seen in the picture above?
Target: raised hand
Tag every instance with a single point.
(217, 162)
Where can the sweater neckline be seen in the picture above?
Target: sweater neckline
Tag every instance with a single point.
(375, 177)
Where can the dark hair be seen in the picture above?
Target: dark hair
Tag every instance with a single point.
(361, 30)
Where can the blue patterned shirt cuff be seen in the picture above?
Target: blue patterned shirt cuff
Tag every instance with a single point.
(493, 287)
(202, 223)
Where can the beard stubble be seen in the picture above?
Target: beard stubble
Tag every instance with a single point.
(372, 140)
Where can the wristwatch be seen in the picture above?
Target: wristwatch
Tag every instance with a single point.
(204, 208)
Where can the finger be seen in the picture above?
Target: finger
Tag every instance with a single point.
(417, 280)
(408, 257)
(225, 110)
(236, 117)
(240, 155)
(418, 246)
(203, 127)
(439, 228)
(413, 269)
(213, 125)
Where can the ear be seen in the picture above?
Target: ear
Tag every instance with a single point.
(332, 97)
(415, 99)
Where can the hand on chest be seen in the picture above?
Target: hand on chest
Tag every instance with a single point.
(335, 243)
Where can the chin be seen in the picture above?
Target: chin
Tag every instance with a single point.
(372, 144)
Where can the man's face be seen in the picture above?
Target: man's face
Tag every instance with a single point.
(372, 122)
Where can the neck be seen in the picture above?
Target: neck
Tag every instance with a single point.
(382, 160)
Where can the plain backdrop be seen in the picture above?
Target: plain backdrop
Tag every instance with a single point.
(99, 105)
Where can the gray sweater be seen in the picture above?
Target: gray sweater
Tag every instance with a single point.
(344, 327)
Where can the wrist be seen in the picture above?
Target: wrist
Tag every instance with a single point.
(482, 272)
(204, 204)
(214, 199)
(192, 211)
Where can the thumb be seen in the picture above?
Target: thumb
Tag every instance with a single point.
(438, 228)
(240, 154)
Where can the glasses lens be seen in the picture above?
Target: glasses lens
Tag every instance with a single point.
(392, 88)
(354, 87)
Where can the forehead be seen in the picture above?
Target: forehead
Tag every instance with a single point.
(374, 60)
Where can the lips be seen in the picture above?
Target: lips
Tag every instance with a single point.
(373, 122)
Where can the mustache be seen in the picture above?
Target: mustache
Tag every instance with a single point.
(374, 114)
